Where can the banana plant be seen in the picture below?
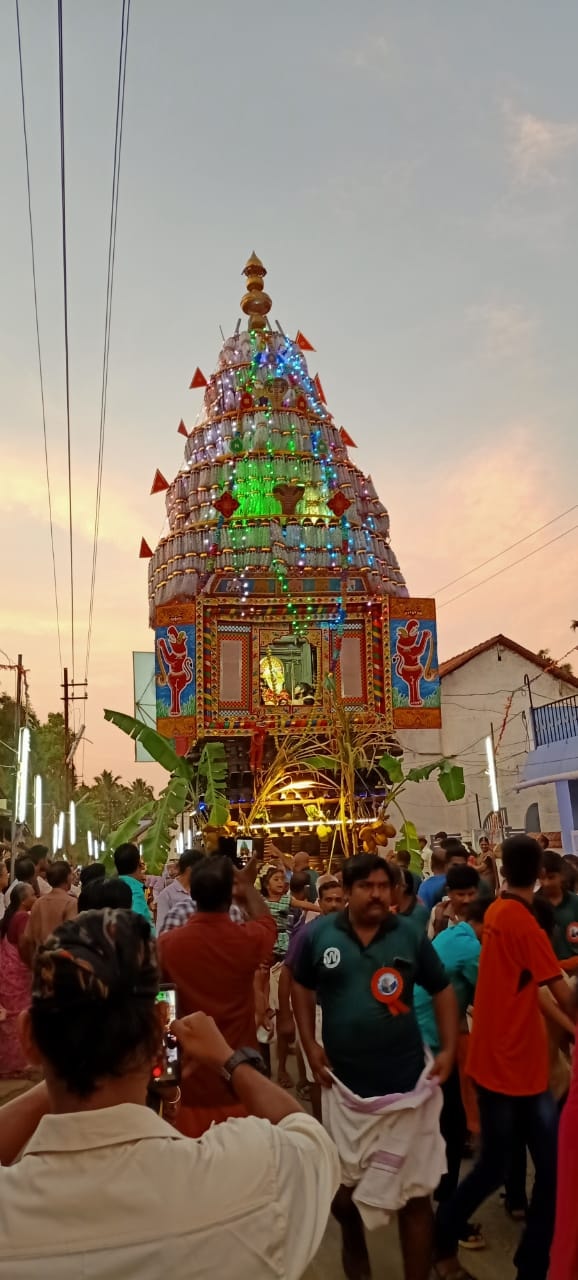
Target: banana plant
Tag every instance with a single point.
(450, 777)
(184, 787)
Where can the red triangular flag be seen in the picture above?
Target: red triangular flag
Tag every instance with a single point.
(346, 438)
(182, 430)
(319, 388)
(198, 380)
(145, 552)
(159, 482)
(303, 342)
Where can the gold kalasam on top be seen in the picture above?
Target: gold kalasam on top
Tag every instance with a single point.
(256, 303)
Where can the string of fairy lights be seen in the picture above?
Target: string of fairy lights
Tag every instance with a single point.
(249, 492)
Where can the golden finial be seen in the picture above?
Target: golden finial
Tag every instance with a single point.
(256, 303)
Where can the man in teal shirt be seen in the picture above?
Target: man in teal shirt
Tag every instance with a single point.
(127, 862)
(459, 950)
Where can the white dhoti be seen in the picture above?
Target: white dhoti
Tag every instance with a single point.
(391, 1149)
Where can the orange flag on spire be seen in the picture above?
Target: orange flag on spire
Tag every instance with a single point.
(319, 388)
(159, 483)
(346, 438)
(303, 342)
(182, 430)
(145, 552)
(198, 380)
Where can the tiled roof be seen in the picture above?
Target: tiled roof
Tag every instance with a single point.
(460, 660)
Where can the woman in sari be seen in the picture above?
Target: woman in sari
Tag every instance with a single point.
(15, 979)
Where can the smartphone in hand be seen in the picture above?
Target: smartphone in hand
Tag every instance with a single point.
(167, 1068)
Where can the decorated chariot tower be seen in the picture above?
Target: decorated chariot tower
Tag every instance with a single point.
(277, 581)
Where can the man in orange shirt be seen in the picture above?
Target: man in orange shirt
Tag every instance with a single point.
(212, 961)
(509, 1063)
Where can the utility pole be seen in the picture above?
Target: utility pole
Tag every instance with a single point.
(68, 687)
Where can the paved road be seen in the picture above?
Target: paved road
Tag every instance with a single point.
(492, 1263)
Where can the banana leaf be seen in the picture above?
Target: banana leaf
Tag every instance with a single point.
(157, 842)
(161, 749)
(451, 780)
(321, 763)
(410, 843)
(423, 772)
(393, 768)
(213, 775)
(128, 829)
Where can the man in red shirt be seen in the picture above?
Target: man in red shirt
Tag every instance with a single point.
(212, 962)
(508, 1061)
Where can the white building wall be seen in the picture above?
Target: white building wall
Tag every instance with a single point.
(474, 697)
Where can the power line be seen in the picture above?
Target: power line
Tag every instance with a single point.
(520, 560)
(505, 550)
(35, 292)
(118, 130)
(66, 354)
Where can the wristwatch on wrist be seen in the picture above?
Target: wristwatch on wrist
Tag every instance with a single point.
(246, 1057)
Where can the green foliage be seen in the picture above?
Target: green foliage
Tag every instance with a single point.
(324, 764)
(170, 804)
(128, 829)
(393, 767)
(422, 773)
(451, 780)
(161, 749)
(409, 841)
(213, 774)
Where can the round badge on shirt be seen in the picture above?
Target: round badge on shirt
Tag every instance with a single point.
(331, 957)
(572, 933)
(387, 987)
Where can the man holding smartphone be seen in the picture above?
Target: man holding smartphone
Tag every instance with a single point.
(212, 963)
(251, 1199)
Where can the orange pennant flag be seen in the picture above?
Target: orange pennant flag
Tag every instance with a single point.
(346, 438)
(159, 483)
(145, 552)
(182, 430)
(198, 380)
(319, 388)
(303, 342)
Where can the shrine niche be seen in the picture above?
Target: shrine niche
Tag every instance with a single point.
(289, 668)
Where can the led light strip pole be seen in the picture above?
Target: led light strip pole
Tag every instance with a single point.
(492, 776)
(21, 796)
(37, 807)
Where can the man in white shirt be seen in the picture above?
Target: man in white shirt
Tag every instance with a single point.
(107, 1188)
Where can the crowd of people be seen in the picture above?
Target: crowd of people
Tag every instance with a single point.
(421, 1016)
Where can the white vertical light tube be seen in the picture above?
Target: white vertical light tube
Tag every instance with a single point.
(55, 838)
(22, 775)
(37, 806)
(492, 775)
(61, 821)
(89, 843)
(72, 822)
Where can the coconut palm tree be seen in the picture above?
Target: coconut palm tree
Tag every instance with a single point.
(140, 792)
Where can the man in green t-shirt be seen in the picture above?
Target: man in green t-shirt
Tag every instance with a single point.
(564, 907)
(362, 965)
